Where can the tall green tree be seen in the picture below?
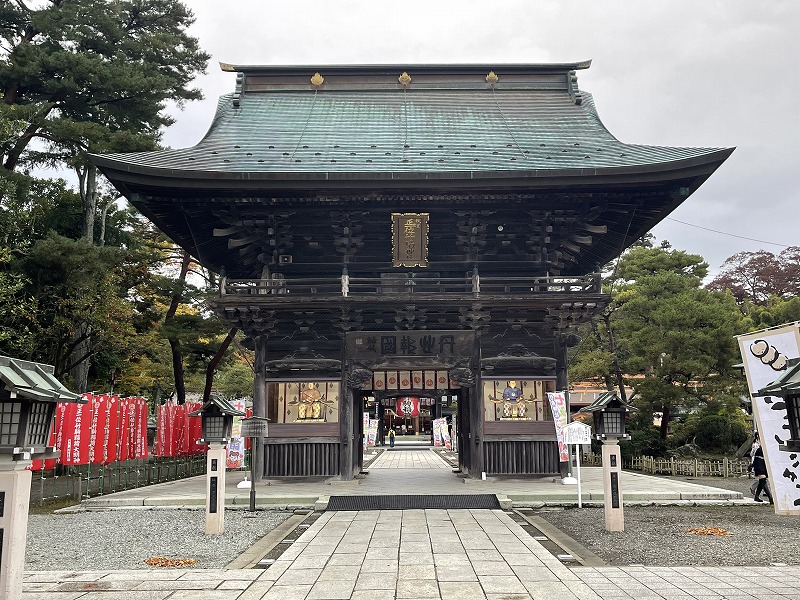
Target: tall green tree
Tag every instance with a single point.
(662, 334)
(92, 76)
(77, 294)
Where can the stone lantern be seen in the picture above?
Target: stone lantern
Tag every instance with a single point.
(787, 386)
(28, 395)
(609, 413)
(217, 422)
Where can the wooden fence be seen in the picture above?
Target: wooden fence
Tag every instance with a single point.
(691, 467)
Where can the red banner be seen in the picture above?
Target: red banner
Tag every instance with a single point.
(109, 418)
(96, 430)
(76, 433)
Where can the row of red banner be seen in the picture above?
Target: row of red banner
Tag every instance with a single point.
(104, 430)
(109, 429)
(177, 432)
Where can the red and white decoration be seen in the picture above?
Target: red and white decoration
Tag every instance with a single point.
(407, 406)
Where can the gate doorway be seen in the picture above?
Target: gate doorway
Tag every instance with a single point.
(419, 451)
(416, 418)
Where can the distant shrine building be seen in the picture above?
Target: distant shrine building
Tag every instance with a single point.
(411, 242)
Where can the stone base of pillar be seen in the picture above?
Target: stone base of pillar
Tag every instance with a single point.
(215, 490)
(15, 495)
(612, 491)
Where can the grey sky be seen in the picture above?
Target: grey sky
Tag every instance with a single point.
(709, 73)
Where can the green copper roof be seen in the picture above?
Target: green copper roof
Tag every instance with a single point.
(531, 119)
(34, 381)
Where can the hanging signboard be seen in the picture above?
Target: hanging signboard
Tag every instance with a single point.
(410, 239)
(254, 427)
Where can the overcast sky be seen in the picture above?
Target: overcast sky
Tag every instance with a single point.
(705, 73)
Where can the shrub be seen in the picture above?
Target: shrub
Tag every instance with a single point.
(643, 442)
(720, 433)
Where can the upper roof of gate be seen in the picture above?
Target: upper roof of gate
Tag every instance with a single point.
(403, 123)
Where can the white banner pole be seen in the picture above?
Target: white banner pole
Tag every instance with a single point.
(578, 473)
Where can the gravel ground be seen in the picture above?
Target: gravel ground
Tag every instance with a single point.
(654, 535)
(657, 535)
(101, 540)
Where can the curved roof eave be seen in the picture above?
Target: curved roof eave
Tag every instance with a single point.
(134, 176)
(428, 67)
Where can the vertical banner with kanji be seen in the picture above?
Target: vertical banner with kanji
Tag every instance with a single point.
(76, 424)
(558, 406)
(137, 411)
(234, 457)
(109, 418)
(96, 430)
(437, 432)
(126, 435)
(372, 433)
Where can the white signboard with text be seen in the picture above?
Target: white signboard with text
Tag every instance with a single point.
(765, 354)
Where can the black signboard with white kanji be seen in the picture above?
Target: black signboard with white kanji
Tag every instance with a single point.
(373, 347)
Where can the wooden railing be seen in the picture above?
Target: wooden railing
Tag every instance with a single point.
(411, 286)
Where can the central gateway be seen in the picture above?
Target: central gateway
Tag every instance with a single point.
(412, 240)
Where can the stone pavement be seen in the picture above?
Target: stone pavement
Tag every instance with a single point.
(444, 554)
(416, 554)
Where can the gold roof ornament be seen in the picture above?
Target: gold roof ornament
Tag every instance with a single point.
(317, 80)
(492, 78)
(404, 79)
(227, 67)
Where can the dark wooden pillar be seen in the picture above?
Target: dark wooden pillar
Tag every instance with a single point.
(560, 347)
(346, 432)
(259, 403)
(476, 467)
(562, 380)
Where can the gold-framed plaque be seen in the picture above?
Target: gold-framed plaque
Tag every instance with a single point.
(410, 239)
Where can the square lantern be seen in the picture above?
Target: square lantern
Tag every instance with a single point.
(28, 396)
(217, 420)
(787, 386)
(609, 413)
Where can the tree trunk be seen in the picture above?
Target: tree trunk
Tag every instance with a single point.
(102, 241)
(177, 370)
(13, 156)
(212, 366)
(665, 422)
(80, 359)
(89, 203)
(612, 347)
(175, 343)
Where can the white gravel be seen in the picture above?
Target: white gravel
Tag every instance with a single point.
(657, 536)
(101, 540)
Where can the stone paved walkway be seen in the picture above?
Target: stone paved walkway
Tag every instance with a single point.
(415, 554)
(409, 459)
